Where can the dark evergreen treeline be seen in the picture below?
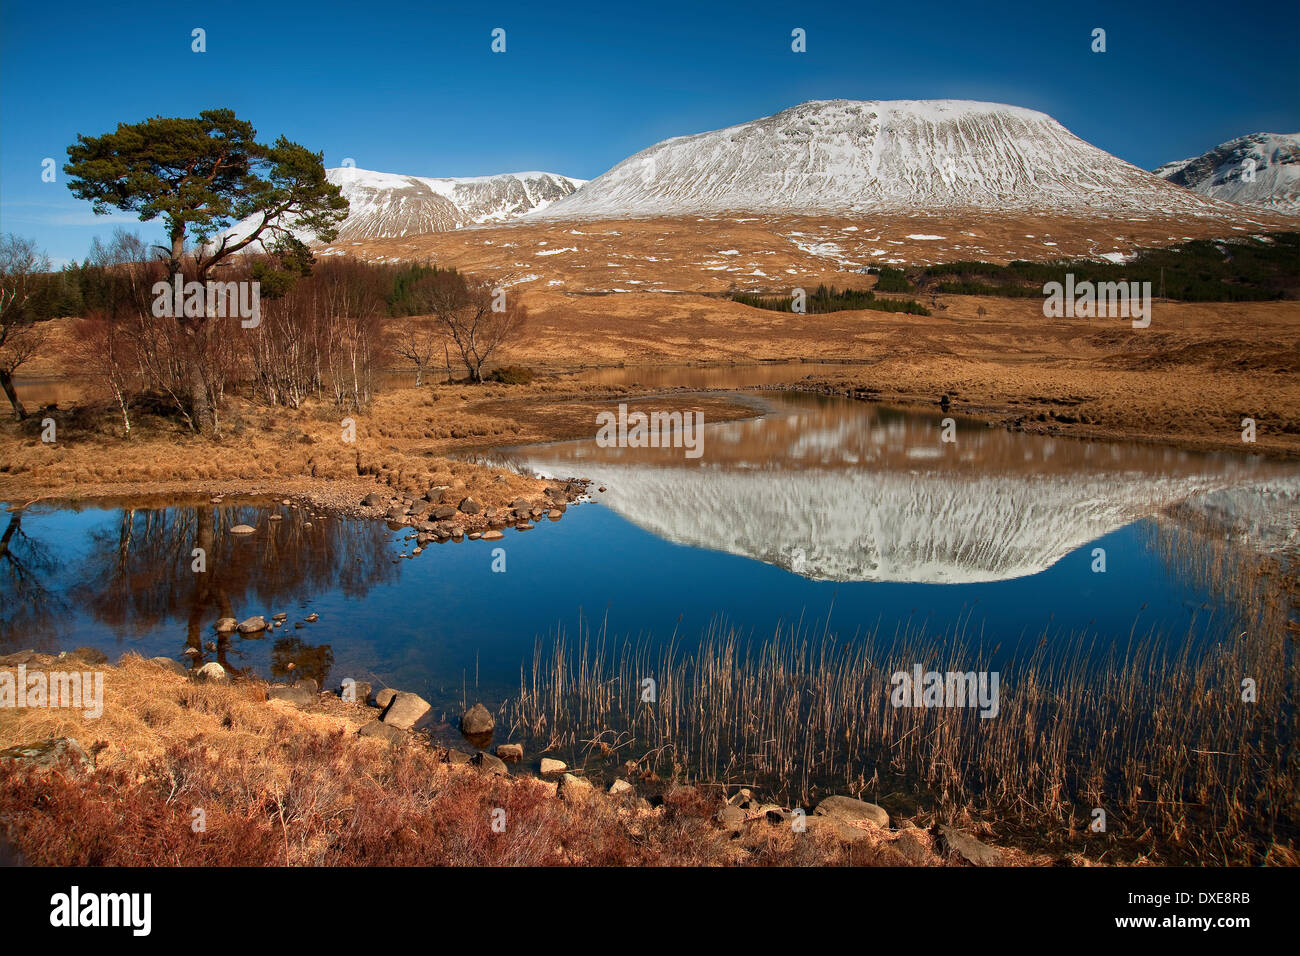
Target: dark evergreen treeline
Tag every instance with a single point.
(1203, 270)
(889, 279)
(830, 299)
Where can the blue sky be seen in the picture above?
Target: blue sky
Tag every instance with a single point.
(414, 87)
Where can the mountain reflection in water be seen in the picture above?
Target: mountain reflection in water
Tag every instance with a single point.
(845, 491)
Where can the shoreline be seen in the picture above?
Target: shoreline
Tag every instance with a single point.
(558, 411)
(134, 749)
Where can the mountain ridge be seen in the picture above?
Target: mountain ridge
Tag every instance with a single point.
(827, 156)
(393, 205)
(1221, 172)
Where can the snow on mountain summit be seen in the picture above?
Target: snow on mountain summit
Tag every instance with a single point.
(389, 204)
(849, 155)
(1262, 169)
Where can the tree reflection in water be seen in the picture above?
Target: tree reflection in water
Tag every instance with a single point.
(28, 602)
(139, 573)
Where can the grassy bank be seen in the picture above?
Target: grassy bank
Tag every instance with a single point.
(282, 785)
(401, 444)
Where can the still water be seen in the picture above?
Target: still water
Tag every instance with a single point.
(854, 517)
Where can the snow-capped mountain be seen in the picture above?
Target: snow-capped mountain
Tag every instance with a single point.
(850, 156)
(388, 204)
(1262, 169)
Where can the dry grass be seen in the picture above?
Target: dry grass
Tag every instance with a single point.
(711, 254)
(401, 442)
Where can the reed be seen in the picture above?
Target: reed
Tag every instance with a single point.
(1154, 731)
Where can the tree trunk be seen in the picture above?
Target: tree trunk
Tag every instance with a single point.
(200, 409)
(122, 405)
(7, 383)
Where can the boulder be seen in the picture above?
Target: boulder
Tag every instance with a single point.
(377, 728)
(295, 694)
(226, 624)
(242, 529)
(373, 500)
(620, 786)
(56, 752)
(477, 720)
(574, 789)
(212, 671)
(443, 513)
(490, 765)
(850, 810)
(360, 691)
(176, 667)
(968, 848)
(732, 818)
(469, 506)
(458, 757)
(492, 535)
(914, 846)
(553, 766)
(384, 697)
(91, 656)
(405, 710)
(252, 625)
(511, 753)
